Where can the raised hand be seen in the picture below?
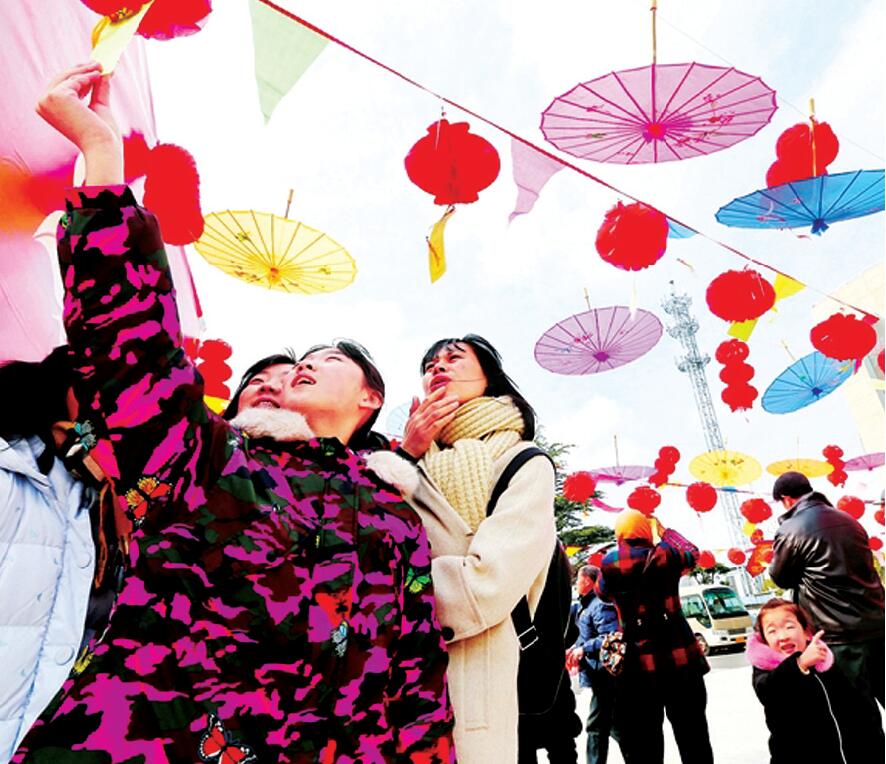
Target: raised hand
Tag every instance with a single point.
(816, 651)
(89, 126)
(426, 420)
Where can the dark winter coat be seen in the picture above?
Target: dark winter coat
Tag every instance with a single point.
(823, 555)
(594, 618)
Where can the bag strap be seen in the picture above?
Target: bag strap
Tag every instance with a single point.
(520, 615)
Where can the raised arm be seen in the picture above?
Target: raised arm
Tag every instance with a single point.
(134, 383)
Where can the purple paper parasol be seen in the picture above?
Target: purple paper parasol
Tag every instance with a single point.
(620, 475)
(658, 113)
(866, 462)
(605, 507)
(597, 340)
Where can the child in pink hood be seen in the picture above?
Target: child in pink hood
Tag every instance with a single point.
(812, 712)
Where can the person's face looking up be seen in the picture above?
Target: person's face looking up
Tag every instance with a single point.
(457, 368)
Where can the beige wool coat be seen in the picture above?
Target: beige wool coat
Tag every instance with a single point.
(478, 579)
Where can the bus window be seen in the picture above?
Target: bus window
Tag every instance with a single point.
(723, 603)
(693, 607)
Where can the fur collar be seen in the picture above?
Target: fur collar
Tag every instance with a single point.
(279, 424)
(394, 470)
(764, 657)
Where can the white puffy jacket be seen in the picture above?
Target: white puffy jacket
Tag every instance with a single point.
(46, 567)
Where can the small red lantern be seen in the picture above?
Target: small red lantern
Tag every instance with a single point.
(579, 487)
(644, 499)
(736, 556)
(796, 157)
(706, 560)
(737, 373)
(875, 543)
(165, 19)
(632, 236)
(702, 497)
(732, 350)
(595, 559)
(740, 295)
(452, 163)
(757, 536)
(852, 506)
(668, 456)
(755, 510)
(880, 517)
(843, 337)
(739, 397)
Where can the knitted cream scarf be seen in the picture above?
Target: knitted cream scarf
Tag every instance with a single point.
(482, 430)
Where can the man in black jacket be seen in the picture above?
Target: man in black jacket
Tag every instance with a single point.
(823, 555)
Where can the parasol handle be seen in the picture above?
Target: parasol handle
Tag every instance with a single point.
(615, 440)
(587, 298)
(812, 133)
(288, 203)
(654, 8)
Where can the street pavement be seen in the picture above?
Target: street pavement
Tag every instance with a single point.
(735, 717)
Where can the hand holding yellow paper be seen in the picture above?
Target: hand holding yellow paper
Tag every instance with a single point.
(110, 37)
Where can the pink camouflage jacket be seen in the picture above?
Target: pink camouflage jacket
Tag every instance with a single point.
(279, 606)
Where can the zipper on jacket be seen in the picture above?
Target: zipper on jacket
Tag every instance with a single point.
(833, 718)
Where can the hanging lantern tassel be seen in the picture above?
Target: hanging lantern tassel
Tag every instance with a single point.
(436, 247)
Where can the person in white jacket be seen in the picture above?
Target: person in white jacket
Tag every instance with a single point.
(47, 553)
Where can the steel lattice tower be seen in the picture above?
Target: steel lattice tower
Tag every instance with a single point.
(693, 362)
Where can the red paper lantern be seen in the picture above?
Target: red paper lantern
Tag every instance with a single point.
(644, 499)
(737, 373)
(757, 536)
(668, 456)
(213, 369)
(732, 350)
(881, 361)
(755, 510)
(706, 561)
(740, 295)
(838, 477)
(739, 397)
(794, 150)
(736, 556)
(163, 21)
(843, 337)
(632, 236)
(452, 163)
(879, 517)
(595, 559)
(832, 452)
(875, 543)
(702, 497)
(579, 486)
(852, 506)
(172, 193)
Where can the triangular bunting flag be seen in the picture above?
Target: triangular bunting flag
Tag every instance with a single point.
(532, 170)
(284, 49)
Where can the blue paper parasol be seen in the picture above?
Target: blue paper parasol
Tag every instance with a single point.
(804, 382)
(396, 421)
(815, 202)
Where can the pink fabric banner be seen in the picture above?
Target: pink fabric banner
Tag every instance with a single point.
(37, 41)
(532, 170)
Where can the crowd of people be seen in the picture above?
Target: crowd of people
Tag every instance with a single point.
(277, 584)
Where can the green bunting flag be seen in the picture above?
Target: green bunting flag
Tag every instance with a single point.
(284, 49)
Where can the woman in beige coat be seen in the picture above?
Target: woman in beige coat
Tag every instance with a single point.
(471, 424)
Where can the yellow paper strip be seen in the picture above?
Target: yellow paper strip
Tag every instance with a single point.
(436, 248)
(741, 330)
(110, 38)
(785, 286)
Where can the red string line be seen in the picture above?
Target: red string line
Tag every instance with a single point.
(548, 154)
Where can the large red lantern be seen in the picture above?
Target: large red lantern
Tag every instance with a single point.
(163, 21)
(740, 295)
(632, 236)
(852, 506)
(702, 497)
(579, 487)
(755, 510)
(452, 163)
(843, 337)
(644, 499)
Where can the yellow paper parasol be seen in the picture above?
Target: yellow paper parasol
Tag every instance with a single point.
(725, 468)
(274, 252)
(811, 468)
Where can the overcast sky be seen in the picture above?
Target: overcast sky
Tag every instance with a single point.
(340, 136)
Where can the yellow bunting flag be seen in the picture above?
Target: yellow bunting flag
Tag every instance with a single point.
(216, 404)
(436, 248)
(741, 330)
(748, 528)
(111, 36)
(571, 551)
(784, 287)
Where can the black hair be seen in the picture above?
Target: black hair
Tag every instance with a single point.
(497, 382)
(363, 438)
(287, 357)
(35, 395)
(791, 484)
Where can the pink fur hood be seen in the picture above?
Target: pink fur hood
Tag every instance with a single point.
(763, 657)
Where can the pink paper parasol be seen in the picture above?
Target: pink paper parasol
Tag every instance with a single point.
(597, 340)
(622, 474)
(866, 462)
(605, 507)
(658, 113)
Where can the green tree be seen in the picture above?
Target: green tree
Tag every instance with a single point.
(707, 575)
